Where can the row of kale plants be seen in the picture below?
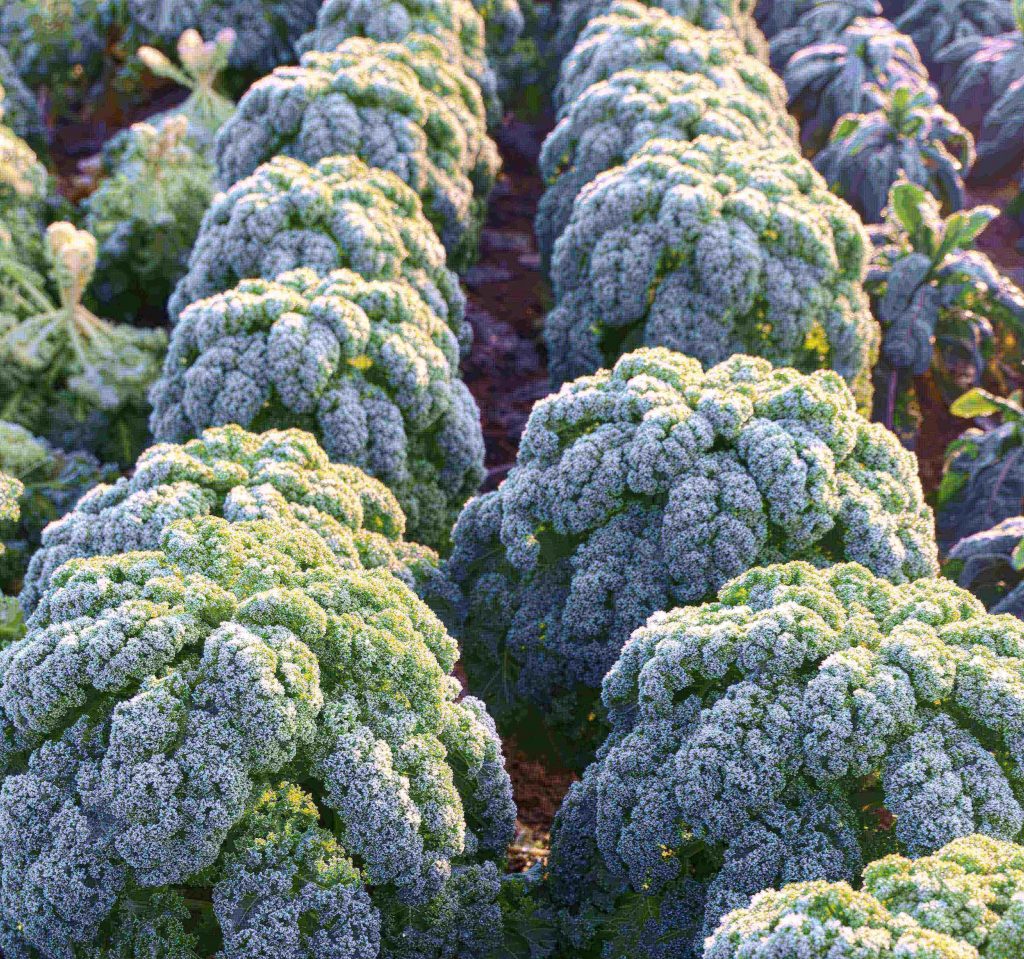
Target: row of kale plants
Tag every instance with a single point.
(709, 583)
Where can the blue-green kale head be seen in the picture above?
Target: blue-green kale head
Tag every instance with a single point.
(732, 16)
(633, 36)
(613, 119)
(807, 722)
(227, 472)
(338, 214)
(713, 248)
(266, 30)
(649, 486)
(402, 107)
(366, 365)
(455, 24)
(233, 745)
(965, 901)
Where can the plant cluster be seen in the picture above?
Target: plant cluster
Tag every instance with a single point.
(145, 216)
(456, 25)
(227, 472)
(908, 137)
(944, 307)
(648, 486)
(807, 722)
(732, 16)
(935, 25)
(632, 36)
(266, 30)
(61, 366)
(233, 745)
(60, 46)
(965, 901)
(612, 119)
(400, 107)
(338, 214)
(712, 248)
(850, 73)
(365, 364)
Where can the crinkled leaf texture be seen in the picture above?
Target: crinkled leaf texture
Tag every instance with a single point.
(366, 365)
(965, 901)
(339, 213)
(227, 472)
(809, 721)
(649, 486)
(234, 743)
(712, 248)
(402, 107)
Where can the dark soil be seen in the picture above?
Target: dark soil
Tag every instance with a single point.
(508, 298)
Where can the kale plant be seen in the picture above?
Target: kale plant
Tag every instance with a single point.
(233, 745)
(632, 36)
(649, 486)
(366, 365)
(850, 75)
(205, 109)
(60, 361)
(987, 91)
(728, 15)
(145, 216)
(266, 29)
(60, 46)
(340, 213)
(965, 901)
(280, 475)
(774, 17)
(935, 25)
(991, 565)
(614, 118)
(943, 306)
(400, 107)
(806, 723)
(713, 248)
(908, 136)
(811, 23)
(454, 24)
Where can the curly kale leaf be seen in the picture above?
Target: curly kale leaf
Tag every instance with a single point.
(712, 248)
(649, 486)
(339, 213)
(366, 365)
(400, 107)
(230, 473)
(809, 721)
(238, 717)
